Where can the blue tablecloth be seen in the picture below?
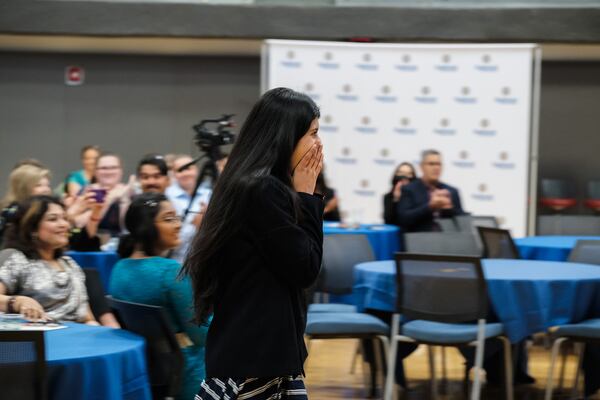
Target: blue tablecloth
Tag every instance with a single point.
(103, 261)
(527, 296)
(384, 239)
(96, 363)
(551, 248)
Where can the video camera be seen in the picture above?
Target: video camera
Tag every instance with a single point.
(208, 136)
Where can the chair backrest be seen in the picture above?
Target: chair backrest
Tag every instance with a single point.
(556, 189)
(568, 225)
(593, 191)
(341, 252)
(440, 288)
(497, 243)
(22, 365)
(164, 357)
(442, 243)
(447, 224)
(586, 251)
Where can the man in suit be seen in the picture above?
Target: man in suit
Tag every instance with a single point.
(426, 199)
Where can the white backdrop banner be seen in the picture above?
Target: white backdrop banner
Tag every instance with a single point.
(382, 104)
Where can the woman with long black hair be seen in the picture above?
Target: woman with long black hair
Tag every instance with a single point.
(259, 246)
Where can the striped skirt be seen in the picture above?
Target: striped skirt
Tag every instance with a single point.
(281, 388)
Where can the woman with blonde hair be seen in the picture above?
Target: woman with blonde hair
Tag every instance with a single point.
(25, 181)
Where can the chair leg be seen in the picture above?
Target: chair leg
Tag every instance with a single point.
(391, 359)
(366, 367)
(307, 342)
(444, 380)
(385, 343)
(357, 353)
(579, 354)
(430, 352)
(476, 389)
(561, 379)
(549, 381)
(508, 368)
(379, 365)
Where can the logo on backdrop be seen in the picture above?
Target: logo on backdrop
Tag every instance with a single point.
(506, 96)
(364, 190)
(463, 160)
(384, 158)
(346, 157)
(385, 96)
(406, 65)
(366, 63)
(484, 128)
(365, 126)
(347, 94)
(503, 161)
(465, 96)
(309, 90)
(290, 60)
(426, 96)
(446, 64)
(486, 64)
(405, 127)
(482, 193)
(328, 62)
(327, 124)
(444, 128)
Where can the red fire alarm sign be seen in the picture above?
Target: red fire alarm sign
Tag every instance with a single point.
(74, 76)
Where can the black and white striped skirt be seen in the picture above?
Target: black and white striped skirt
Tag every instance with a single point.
(281, 388)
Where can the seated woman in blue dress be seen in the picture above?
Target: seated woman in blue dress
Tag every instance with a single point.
(144, 276)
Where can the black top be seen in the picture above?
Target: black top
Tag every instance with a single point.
(414, 214)
(333, 215)
(389, 209)
(260, 310)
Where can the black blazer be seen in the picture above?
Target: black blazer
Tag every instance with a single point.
(413, 212)
(260, 309)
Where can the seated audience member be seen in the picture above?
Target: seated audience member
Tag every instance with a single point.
(78, 180)
(36, 280)
(154, 226)
(24, 181)
(180, 194)
(153, 174)
(404, 174)
(112, 193)
(425, 199)
(331, 212)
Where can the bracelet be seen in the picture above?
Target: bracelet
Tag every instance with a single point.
(9, 306)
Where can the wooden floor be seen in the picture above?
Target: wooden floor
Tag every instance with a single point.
(328, 374)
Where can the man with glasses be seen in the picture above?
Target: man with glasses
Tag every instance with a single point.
(426, 199)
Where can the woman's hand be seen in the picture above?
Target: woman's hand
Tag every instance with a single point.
(29, 308)
(307, 171)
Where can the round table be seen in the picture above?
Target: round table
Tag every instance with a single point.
(103, 261)
(384, 239)
(93, 362)
(551, 248)
(527, 296)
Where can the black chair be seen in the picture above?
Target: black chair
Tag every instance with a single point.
(164, 357)
(340, 254)
(22, 365)
(445, 300)
(557, 194)
(447, 224)
(497, 243)
(586, 251)
(469, 223)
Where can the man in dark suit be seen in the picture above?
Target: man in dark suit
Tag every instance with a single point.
(426, 199)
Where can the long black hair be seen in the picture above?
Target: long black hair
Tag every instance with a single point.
(140, 222)
(264, 148)
(23, 220)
